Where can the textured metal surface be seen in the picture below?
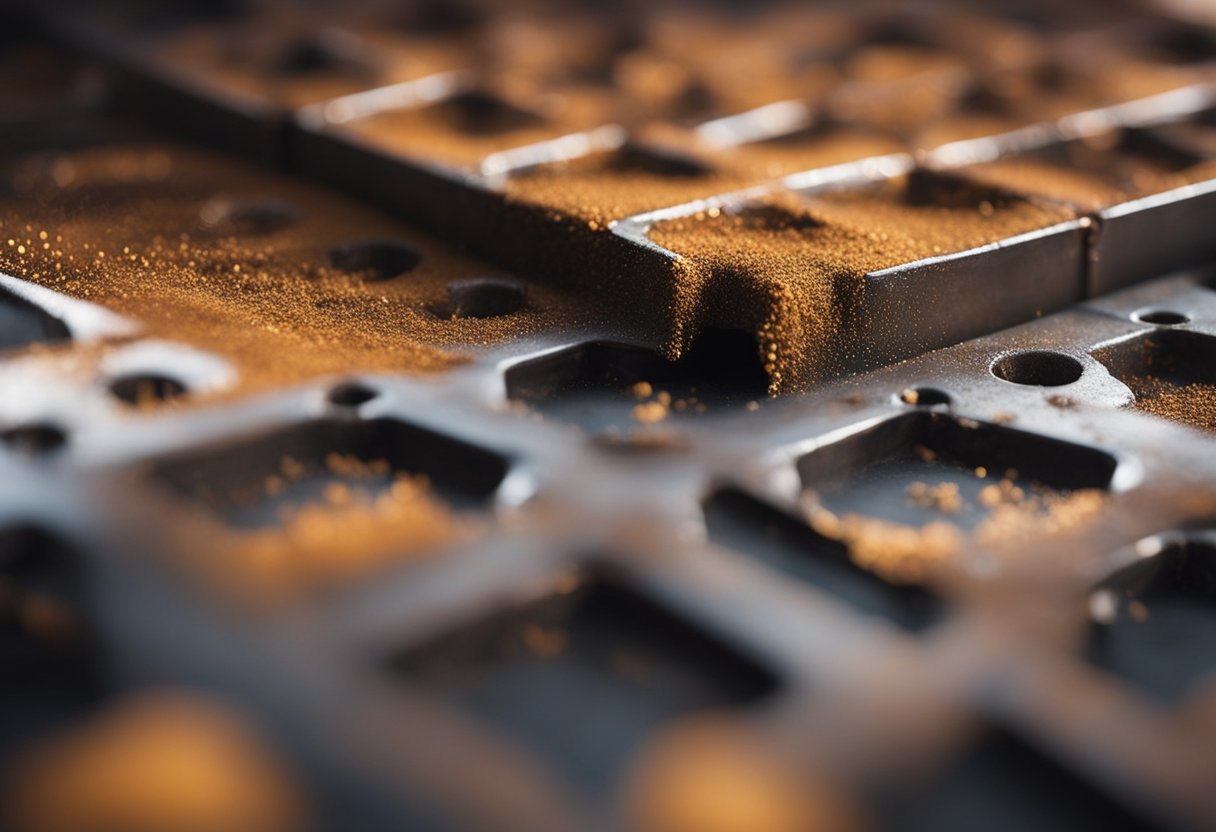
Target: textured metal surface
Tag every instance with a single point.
(1005, 685)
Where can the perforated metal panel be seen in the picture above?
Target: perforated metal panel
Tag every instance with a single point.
(965, 580)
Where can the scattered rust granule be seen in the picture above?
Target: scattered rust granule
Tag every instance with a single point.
(898, 552)
(791, 270)
(285, 281)
(1191, 404)
(158, 762)
(1015, 521)
(943, 497)
(903, 553)
(650, 412)
(348, 534)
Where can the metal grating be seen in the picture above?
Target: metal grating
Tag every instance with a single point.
(594, 576)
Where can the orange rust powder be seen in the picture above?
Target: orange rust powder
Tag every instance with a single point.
(1191, 404)
(603, 187)
(1095, 178)
(358, 525)
(903, 553)
(221, 257)
(790, 269)
(465, 129)
(591, 190)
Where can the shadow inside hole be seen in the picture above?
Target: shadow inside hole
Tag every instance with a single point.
(22, 323)
(1161, 317)
(1038, 368)
(325, 53)
(593, 385)
(158, 17)
(927, 466)
(1154, 147)
(631, 157)
(483, 113)
(925, 397)
(482, 298)
(990, 98)
(1160, 633)
(1195, 134)
(923, 188)
(251, 483)
(694, 101)
(582, 677)
(351, 394)
(146, 389)
(247, 216)
(791, 547)
(909, 30)
(1171, 372)
(38, 438)
(1125, 158)
(375, 260)
(1181, 44)
(52, 661)
(1004, 784)
(439, 17)
(639, 158)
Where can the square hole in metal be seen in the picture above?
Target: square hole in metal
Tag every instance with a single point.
(581, 677)
(1172, 373)
(251, 482)
(921, 467)
(1004, 784)
(791, 547)
(1155, 621)
(602, 385)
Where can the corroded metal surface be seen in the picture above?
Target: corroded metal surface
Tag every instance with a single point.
(559, 546)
